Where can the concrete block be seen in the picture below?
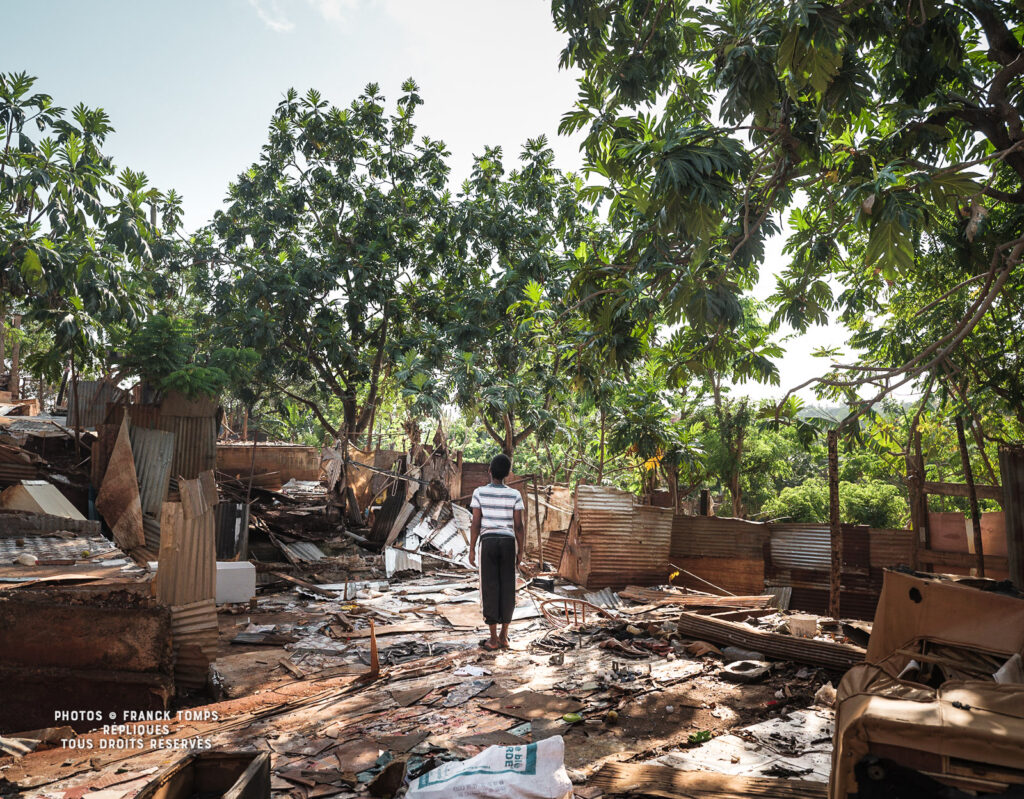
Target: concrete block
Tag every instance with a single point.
(236, 582)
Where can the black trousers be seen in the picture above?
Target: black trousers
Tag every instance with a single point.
(498, 577)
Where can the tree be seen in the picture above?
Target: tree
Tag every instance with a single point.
(706, 122)
(332, 243)
(79, 240)
(511, 327)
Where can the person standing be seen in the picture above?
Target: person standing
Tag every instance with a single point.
(498, 525)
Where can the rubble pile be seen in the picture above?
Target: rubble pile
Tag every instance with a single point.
(321, 638)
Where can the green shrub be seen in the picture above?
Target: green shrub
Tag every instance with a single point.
(873, 503)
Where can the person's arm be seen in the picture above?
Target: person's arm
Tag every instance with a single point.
(474, 534)
(520, 528)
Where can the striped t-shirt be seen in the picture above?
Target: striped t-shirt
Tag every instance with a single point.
(497, 504)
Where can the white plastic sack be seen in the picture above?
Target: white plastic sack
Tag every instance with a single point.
(532, 771)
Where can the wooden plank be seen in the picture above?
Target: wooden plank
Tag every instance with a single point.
(638, 780)
(656, 597)
(963, 560)
(961, 490)
(1011, 470)
(305, 584)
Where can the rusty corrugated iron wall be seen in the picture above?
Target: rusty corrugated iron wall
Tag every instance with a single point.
(614, 542)
(93, 396)
(153, 452)
(195, 444)
(729, 553)
(743, 557)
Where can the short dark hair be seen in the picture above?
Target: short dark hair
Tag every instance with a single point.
(501, 465)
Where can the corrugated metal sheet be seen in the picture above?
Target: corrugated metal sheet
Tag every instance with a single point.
(232, 530)
(187, 571)
(43, 426)
(151, 531)
(713, 537)
(801, 546)
(14, 473)
(304, 551)
(775, 645)
(628, 544)
(195, 444)
(852, 604)
(21, 522)
(740, 576)
(553, 547)
(891, 547)
(291, 461)
(93, 396)
(605, 598)
(153, 451)
(194, 638)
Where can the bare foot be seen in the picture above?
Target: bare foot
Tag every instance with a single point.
(505, 644)
(491, 645)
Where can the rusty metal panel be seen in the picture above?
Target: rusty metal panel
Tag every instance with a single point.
(195, 444)
(232, 530)
(288, 460)
(187, 570)
(852, 604)
(151, 531)
(856, 547)
(629, 544)
(93, 396)
(474, 475)
(740, 576)
(194, 636)
(12, 521)
(153, 451)
(14, 473)
(712, 537)
(890, 548)
(775, 645)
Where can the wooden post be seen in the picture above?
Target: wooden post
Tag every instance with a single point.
(924, 535)
(1011, 475)
(915, 489)
(705, 502)
(536, 521)
(972, 495)
(835, 582)
(252, 470)
(77, 409)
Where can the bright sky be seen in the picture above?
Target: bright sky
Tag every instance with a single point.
(190, 85)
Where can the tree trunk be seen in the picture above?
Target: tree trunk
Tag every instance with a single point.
(600, 462)
(3, 339)
(15, 384)
(965, 459)
(835, 528)
(737, 493)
